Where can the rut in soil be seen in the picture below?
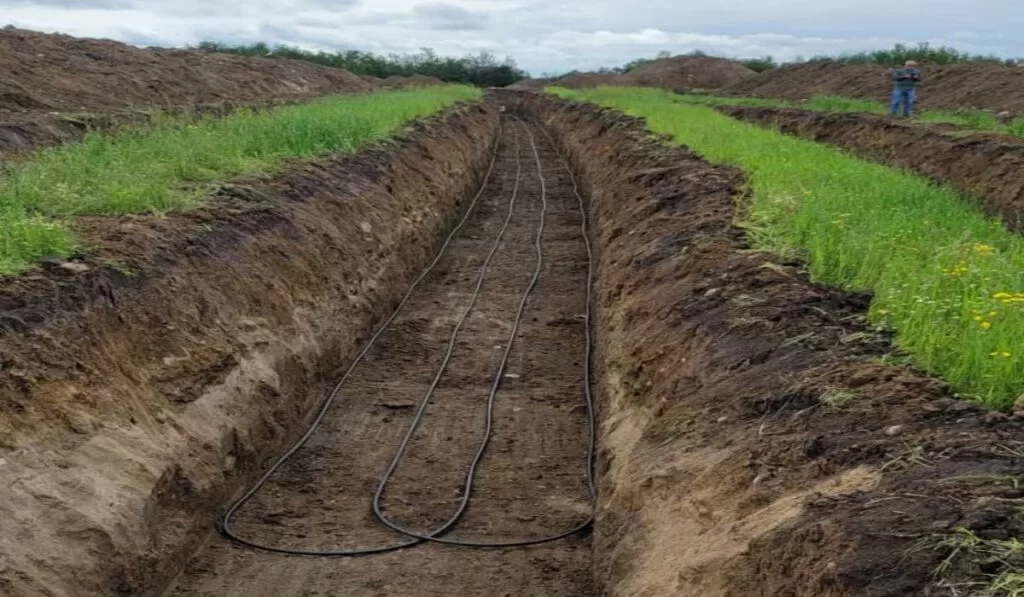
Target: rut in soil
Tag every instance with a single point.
(533, 479)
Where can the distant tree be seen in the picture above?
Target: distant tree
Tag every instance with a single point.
(900, 53)
(759, 65)
(483, 69)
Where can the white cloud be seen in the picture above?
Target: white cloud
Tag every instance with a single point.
(543, 35)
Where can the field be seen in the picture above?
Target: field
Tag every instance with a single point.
(574, 342)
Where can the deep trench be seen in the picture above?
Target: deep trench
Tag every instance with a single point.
(533, 480)
(721, 473)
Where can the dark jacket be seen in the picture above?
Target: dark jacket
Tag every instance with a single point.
(906, 78)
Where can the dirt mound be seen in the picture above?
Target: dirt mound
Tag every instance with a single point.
(993, 87)
(687, 72)
(43, 72)
(752, 442)
(587, 80)
(987, 168)
(531, 84)
(674, 74)
(115, 454)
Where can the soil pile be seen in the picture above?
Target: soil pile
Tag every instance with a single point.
(995, 87)
(531, 84)
(674, 74)
(587, 80)
(686, 73)
(43, 72)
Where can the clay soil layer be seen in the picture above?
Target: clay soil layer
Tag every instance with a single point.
(751, 442)
(987, 168)
(532, 483)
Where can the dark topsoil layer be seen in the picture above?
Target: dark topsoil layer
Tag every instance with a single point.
(751, 445)
(136, 397)
(988, 168)
(994, 87)
(55, 87)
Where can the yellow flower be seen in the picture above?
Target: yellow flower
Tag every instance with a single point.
(1000, 353)
(985, 325)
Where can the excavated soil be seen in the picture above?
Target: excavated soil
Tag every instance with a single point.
(987, 168)
(995, 87)
(53, 88)
(533, 481)
(679, 73)
(35, 67)
(751, 443)
(141, 386)
(683, 73)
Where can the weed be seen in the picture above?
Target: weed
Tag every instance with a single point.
(839, 398)
(1009, 582)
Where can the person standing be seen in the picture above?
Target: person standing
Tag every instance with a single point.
(905, 81)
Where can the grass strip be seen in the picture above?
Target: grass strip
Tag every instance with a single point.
(973, 120)
(948, 279)
(170, 165)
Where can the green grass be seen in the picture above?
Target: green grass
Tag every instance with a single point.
(949, 280)
(974, 120)
(171, 165)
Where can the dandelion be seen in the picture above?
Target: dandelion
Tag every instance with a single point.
(984, 249)
(959, 270)
(985, 325)
(1000, 353)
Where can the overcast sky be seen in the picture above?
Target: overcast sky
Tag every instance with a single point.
(543, 35)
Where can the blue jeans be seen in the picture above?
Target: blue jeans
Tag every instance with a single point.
(905, 96)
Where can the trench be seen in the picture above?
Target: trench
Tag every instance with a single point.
(533, 480)
(727, 464)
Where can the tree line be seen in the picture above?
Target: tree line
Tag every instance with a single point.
(898, 54)
(481, 70)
